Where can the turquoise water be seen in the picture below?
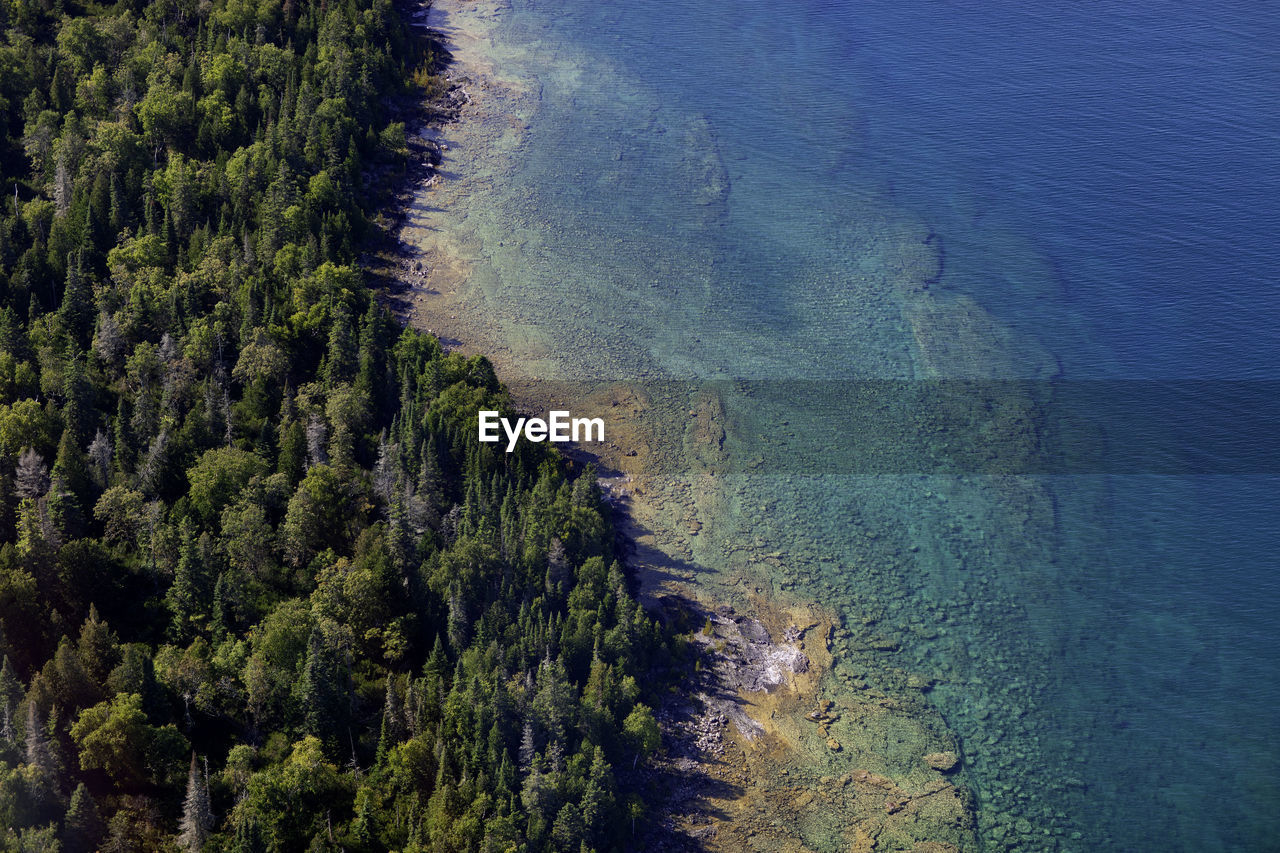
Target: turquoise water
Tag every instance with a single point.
(906, 192)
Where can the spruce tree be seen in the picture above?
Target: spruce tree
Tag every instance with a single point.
(40, 757)
(68, 484)
(392, 731)
(197, 816)
(98, 647)
(10, 696)
(186, 596)
(319, 692)
(343, 352)
(83, 827)
(77, 310)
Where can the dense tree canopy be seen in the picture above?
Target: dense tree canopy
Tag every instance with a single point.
(261, 588)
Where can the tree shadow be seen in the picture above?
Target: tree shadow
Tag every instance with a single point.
(686, 785)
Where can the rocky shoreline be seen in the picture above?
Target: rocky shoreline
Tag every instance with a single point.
(766, 761)
(766, 749)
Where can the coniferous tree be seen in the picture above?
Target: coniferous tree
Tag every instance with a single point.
(320, 694)
(38, 752)
(186, 596)
(77, 310)
(270, 490)
(197, 816)
(69, 487)
(10, 696)
(83, 827)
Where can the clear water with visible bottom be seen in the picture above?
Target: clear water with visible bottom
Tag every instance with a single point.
(821, 196)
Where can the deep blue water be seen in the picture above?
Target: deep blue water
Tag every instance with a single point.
(1104, 179)
(1134, 144)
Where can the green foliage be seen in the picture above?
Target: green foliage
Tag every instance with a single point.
(261, 588)
(116, 738)
(218, 478)
(83, 827)
(641, 731)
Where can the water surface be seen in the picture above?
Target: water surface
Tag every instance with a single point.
(818, 197)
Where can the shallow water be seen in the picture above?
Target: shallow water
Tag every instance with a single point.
(820, 197)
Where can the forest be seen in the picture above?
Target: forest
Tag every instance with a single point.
(261, 587)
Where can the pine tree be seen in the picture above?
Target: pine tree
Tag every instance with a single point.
(219, 623)
(186, 596)
(292, 461)
(77, 311)
(83, 828)
(459, 623)
(38, 754)
(77, 393)
(31, 476)
(62, 186)
(248, 837)
(342, 354)
(98, 647)
(99, 460)
(392, 720)
(527, 748)
(197, 816)
(123, 436)
(118, 215)
(10, 696)
(319, 691)
(68, 484)
(361, 830)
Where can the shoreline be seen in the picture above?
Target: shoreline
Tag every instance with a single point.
(802, 739)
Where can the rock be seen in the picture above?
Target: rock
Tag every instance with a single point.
(944, 761)
(753, 632)
(876, 780)
(833, 744)
(798, 661)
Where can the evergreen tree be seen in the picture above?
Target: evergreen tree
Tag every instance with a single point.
(39, 752)
(83, 827)
(10, 696)
(68, 489)
(190, 188)
(392, 731)
(197, 816)
(97, 648)
(77, 310)
(320, 691)
(187, 595)
(343, 353)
